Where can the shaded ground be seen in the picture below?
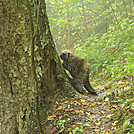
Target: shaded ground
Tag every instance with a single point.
(85, 115)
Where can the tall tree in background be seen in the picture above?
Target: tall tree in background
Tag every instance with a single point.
(29, 65)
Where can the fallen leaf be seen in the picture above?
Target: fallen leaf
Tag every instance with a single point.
(120, 82)
(82, 100)
(74, 126)
(98, 124)
(102, 97)
(92, 105)
(114, 124)
(71, 109)
(103, 117)
(107, 130)
(109, 102)
(57, 102)
(109, 116)
(68, 106)
(65, 101)
(114, 101)
(96, 130)
(61, 107)
(98, 103)
(60, 117)
(65, 109)
(113, 108)
(51, 117)
(91, 121)
(69, 130)
(86, 128)
(106, 99)
(88, 113)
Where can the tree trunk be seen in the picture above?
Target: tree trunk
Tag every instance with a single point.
(84, 15)
(17, 90)
(69, 45)
(16, 96)
(50, 71)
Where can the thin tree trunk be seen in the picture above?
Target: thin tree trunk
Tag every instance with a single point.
(85, 21)
(68, 24)
(115, 17)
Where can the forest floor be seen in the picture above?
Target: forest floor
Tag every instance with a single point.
(83, 114)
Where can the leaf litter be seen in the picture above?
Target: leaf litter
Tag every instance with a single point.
(85, 114)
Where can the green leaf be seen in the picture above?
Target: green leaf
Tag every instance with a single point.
(75, 130)
(87, 124)
(59, 121)
(67, 120)
(126, 124)
(80, 123)
(80, 130)
(61, 125)
(133, 127)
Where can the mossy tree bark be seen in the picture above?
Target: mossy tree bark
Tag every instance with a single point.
(17, 75)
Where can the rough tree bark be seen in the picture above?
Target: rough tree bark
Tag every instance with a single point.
(16, 96)
(17, 93)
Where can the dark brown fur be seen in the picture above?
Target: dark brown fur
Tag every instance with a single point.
(79, 70)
